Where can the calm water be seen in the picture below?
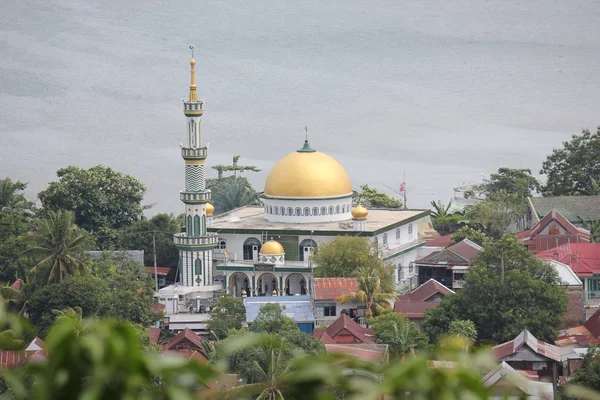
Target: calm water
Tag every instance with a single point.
(446, 90)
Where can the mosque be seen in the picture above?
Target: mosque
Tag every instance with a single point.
(267, 250)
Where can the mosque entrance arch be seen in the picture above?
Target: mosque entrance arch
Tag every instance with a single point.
(238, 283)
(266, 284)
(295, 284)
(250, 248)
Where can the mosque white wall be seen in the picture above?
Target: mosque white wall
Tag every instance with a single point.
(307, 210)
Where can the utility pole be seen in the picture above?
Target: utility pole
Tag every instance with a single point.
(155, 267)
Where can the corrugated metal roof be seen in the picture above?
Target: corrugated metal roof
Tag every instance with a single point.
(526, 338)
(587, 207)
(332, 288)
(299, 308)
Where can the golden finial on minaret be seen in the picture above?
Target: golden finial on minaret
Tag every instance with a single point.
(193, 94)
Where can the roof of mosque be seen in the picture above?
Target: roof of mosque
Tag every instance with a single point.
(252, 218)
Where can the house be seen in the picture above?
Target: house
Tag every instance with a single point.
(34, 352)
(507, 382)
(574, 287)
(344, 331)
(584, 260)
(573, 344)
(525, 352)
(571, 207)
(415, 304)
(551, 231)
(161, 272)
(327, 308)
(448, 266)
(299, 308)
(184, 340)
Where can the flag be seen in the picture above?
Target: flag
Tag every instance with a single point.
(403, 186)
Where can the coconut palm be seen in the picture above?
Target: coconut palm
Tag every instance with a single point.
(230, 193)
(58, 242)
(369, 292)
(439, 210)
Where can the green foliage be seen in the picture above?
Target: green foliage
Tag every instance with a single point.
(592, 226)
(228, 313)
(588, 374)
(465, 329)
(401, 335)
(497, 213)
(138, 236)
(375, 289)
(443, 221)
(342, 255)
(104, 201)
(270, 319)
(303, 341)
(230, 193)
(506, 290)
(513, 181)
(371, 197)
(235, 168)
(573, 170)
(467, 232)
(58, 245)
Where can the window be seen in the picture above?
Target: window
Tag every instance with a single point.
(329, 310)
(276, 210)
(384, 239)
(337, 209)
(315, 211)
(343, 208)
(196, 225)
(290, 211)
(330, 210)
(410, 268)
(410, 230)
(298, 211)
(189, 229)
(311, 244)
(270, 209)
(198, 266)
(248, 248)
(282, 209)
(323, 210)
(400, 272)
(204, 225)
(222, 244)
(306, 211)
(398, 233)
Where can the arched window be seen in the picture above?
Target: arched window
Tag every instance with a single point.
(315, 211)
(282, 210)
(196, 225)
(400, 273)
(290, 211)
(343, 208)
(198, 266)
(330, 210)
(276, 210)
(204, 224)
(222, 244)
(189, 228)
(250, 245)
(298, 211)
(384, 239)
(306, 211)
(266, 208)
(398, 233)
(323, 210)
(270, 209)
(306, 246)
(337, 209)
(410, 230)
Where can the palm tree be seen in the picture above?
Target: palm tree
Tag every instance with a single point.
(593, 227)
(231, 193)
(369, 293)
(439, 211)
(58, 242)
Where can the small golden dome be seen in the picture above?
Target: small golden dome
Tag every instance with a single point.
(308, 173)
(192, 62)
(271, 247)
(210, 209)
(243, 292)
(359, 212)
(275, 291)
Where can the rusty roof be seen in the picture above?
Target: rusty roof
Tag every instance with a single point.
(342, 325)
(184, 340)
(332, 288)
(441, 241)
(415, 304)
(525, 338)
(161, 271)
(154, 334)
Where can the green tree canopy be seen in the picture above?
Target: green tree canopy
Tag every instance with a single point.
(497, 214)
(230, 193)
(342, 255)
(270, 319)
(401, 335)
(228, 313)
(375, 290)
(234, 167)
(473, 234)
(443, 220)
(104, 200)
(371, 197)
(138, 236)
(573, 170)
(506, 290)
(514, 181)
(466, 329)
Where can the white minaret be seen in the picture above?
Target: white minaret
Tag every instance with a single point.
(196, 244)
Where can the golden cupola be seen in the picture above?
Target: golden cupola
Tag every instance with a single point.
(271, 248)
(307, 173)
(210, 209)
(359, 212)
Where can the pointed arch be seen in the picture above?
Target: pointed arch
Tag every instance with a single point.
(196, 225)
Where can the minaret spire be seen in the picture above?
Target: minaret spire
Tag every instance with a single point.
(193, 94)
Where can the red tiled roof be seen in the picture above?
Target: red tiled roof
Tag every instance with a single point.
(343, 327)
(332, 288)
(184, 340)
(415, 305)
(162, 271)
(154, 334)
(461, 253)
(442, 241)
(583, 258)
(523, 235)
(526, 338)
(17, 285)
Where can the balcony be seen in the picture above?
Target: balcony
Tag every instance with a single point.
(210, 239)
(201, 152)
(194, 197)
(218, 256)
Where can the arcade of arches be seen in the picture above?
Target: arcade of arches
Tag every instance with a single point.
(267, 284)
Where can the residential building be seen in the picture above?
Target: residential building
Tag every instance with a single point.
(299, 308)
(327, 307)
(575, 309)
(415, 304)
(449, 265)
(345, 331)
(162, 273)
(551, 231)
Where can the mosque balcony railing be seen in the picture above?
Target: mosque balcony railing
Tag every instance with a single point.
(197, 152)
(209, 239)
(194, 196)
(231, 260)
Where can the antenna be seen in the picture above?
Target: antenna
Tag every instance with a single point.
(192, 49)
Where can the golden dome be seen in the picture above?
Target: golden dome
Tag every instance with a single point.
(271, 247)
(308, 173)
(359, 212)
(192, 62)
(210, 209)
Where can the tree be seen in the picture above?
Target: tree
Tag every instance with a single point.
(104, 201)
(59, 243)
(270, 319)
(370, 292)
(513, 181)
(588, 374)
(465, 329)
(138, 236)
(593, 227)
(497, 214)
(371, 197)
(506, 290)
(473, 234)
(303, 341)
(230, 193)
(228, 313)
(444, 221)
(401, 335)
(234, 167)
(573, 170)
(342, 255)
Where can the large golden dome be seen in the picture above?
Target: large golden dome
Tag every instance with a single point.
(308, 173)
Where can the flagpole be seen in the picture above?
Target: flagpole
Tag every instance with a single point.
(404, 191)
